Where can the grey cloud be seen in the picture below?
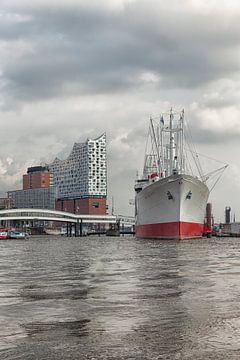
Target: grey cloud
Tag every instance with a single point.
(135, 137)
(209, 136)
(202, 134)
(69, 72)
(82, 50)
(221, 102)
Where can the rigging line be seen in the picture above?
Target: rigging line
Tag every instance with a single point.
(214, 172)
(154, 141)
(188, 140)
(194, 152)
(189, 168)
(217, 179)
(196, 161)
(188, 164)
(210, 158)
(146, 147)
(193, 146)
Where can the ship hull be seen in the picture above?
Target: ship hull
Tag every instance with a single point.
(172, 208)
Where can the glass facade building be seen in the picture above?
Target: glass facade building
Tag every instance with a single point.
(77, 184)
(84, 173)
(40, 198)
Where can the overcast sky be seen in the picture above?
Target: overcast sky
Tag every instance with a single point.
(72, 69)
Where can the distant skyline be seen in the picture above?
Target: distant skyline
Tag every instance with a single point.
(74, 69)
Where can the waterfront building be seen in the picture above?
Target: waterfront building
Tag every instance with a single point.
(37, 177)
(77, 184)
(38, 190)
(81, 179)
(89, 205)
(39, 198)
(5, 203)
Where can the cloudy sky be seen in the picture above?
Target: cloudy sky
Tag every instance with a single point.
(72, 69)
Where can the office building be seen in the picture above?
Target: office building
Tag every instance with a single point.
(81, 179)
(5, 203)
(37, 177)
(38, 190)
(77, 184)
(39, 198)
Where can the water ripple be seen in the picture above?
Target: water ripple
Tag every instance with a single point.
(119, 298)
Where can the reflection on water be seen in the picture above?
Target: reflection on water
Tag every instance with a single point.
(119, 298)
(68, 328)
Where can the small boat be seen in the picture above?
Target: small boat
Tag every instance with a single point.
(114, 230)
(17, 235)
(52, 231)
(4, 233)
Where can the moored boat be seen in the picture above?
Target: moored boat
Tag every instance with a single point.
(170, 201)
(52, 231)
(13, 234)
(173, 207)
(4, 233)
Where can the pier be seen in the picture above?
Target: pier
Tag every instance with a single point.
(74, 222)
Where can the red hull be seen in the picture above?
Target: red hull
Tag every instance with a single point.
(172, 230)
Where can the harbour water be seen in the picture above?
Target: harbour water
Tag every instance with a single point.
(119, 298)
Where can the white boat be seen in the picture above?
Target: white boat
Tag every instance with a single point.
(170, 201)
(4, 233)
(52, 231)
(13, 234)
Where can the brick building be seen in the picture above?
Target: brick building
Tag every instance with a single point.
(91, 206)
(37, 177)
(77, 184)
(38, 190)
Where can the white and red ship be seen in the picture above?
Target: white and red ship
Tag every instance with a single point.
(170, 201)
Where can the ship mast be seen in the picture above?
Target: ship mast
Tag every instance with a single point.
(166, 149)
(174, 148)
(171, 143)
(166, 152)
(181, 156)
(156, 143)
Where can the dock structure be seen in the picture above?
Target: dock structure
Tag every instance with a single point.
(71, 220)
